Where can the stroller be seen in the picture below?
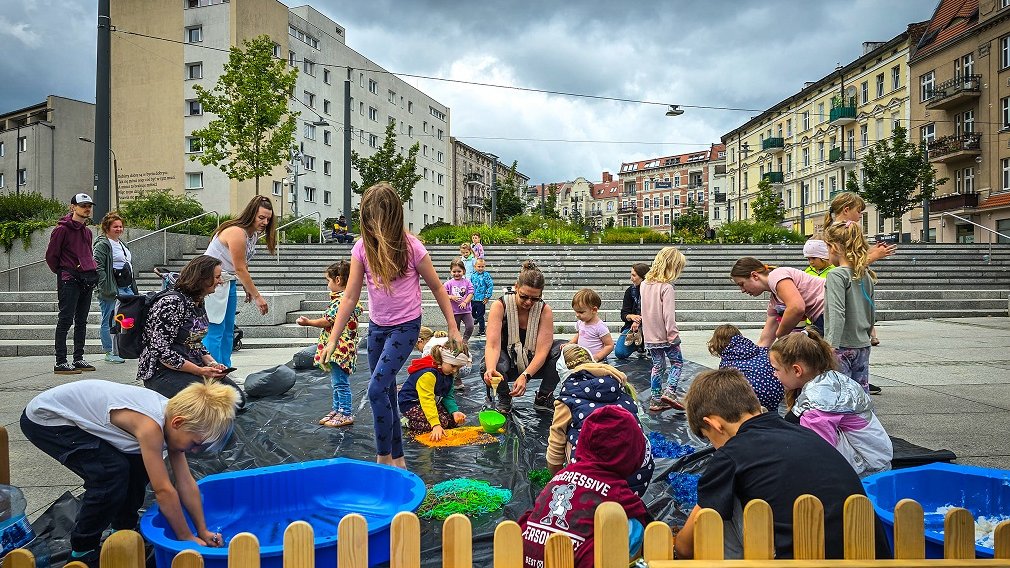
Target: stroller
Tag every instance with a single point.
(168, 281)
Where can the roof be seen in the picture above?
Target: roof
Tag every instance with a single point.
(666, 161)
(604, 190)
(952, 19)
(996, 200)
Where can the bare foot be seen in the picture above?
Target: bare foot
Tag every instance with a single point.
(384, 460)
(400, 463)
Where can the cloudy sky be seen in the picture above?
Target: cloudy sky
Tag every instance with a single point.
(742, 54)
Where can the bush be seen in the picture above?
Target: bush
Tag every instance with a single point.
(562, 235)
(157, 209)
(632, 235)
(749, 232)
(23, 214)
(301, 231)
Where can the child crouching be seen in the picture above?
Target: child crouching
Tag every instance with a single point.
(737, 352)
(427, 399)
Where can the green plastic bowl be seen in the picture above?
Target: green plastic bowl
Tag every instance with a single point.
(491, 420)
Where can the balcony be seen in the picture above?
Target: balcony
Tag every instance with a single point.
(953, 202)
(842, 111)
(627, 210)
(473, 202)
(474, 178)
(596, 213)
(841, 156)
(954, 92)
(955, 148)
(773, 145)
(774, 178)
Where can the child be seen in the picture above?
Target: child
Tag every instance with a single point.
(590, 331)
(466, 255)
(483, 289)
(476, 247)
(830, 403)
(586, 387)
(340, 365)
(460, 291)
(738, 352)
(848, 300)
(389, 260)
(568, 503)
(659, 327)
(428, 338)
(113, 437)
(816, 253)
(426, 399)
(795, 296)
(760, 456)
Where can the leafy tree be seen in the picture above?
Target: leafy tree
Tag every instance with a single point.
(510, 202)
(898, 177)
(767, 204)
(387, 164)
(552, 202)
(610, 223)
(254, 128)
(692, 221)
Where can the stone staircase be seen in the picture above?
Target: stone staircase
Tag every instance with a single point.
(920, 282)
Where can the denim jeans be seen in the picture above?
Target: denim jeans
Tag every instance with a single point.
(477, 309)
(341, 390)
(108, 307)
(221, 336)
(622, 351)
(74, 302)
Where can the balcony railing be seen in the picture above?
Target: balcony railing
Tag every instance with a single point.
(627, 209)
(773, 144)
(953, 202)
(843, 111)
(837, 155)
(473, 201)
(774, 177)
(473, 177)
(695, 185)
(954, 92)
(955, 147)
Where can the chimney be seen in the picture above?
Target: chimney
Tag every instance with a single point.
(607, 178)
(807, 84)
(869, 46)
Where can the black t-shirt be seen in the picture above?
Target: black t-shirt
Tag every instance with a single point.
(776, 461)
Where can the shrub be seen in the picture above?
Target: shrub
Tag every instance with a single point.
(562, 235)
(632, 235)
(23, 214)
(748, 232)
(301, 231)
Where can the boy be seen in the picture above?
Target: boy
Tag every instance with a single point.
(483, 289)
(591, 332)
(113, 435)
(568, 503)
(816, 252)
(476, 247)
(761, 456)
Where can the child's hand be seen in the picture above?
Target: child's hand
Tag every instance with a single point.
(302, 320)
(437, 433)
(211, 539)
(459, 417)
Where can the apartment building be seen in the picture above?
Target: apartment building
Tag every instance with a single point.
(606, 199)
(807, 144)
(718, 209)
(655, 192)
(471, 182)
(961, 109)
(155, 108)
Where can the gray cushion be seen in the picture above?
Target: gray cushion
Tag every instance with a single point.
(274, 381)
(303, 359)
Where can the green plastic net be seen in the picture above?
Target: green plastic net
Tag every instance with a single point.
(464, 496)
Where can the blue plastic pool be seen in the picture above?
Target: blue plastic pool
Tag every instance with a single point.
(980, 490)
(265, 501)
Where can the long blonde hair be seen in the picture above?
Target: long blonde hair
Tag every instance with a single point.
(667, 266)
(382, 232)
(843, 200)
(848, 236)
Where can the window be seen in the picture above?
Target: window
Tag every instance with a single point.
(326, 76)
(864, 137)
(373, 114)
(806, 157)
(789, 127)
(820, 151)
(441, 158)
(361, 109)
(310, 194)
(193, 108)
(806, 120)
(879, 130)
(440, 134)
(437, 113)
(410, 107)
(820, 190)
(193, 145)
(926, 86)
(361, 80)
(833, 186)
(864, 92)
(965, 66)
(373, 141)
(23, 144)
(392, 97)
(645, 221)
(715, 213)
(820, 112)
(676, 200)
(373, 87)
(1, 149)
(327, 137)
(789, 162)
(194, 180)
(327, 166)
(326, 106)
(1005, 163)
(194, 71)
(880, 85)
(309, 99)
(326, 197)
(969, 180)
(655, 219)
(410, 131)
(309, 67)
(277, 50)
(194, 34)
(441, 181)
(964, 123)
(424, 150)
(277, 187)
(1004, 52)
(391, 120)
(309, 162)
(895, 77)
(928, 133)
(895, 122)
(310, 131)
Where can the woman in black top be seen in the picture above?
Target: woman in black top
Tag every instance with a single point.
(631, 313)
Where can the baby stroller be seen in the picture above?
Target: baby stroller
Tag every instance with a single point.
(168, 281)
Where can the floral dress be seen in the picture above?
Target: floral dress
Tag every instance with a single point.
(346, 353)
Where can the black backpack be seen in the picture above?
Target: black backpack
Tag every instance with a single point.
(129, 342)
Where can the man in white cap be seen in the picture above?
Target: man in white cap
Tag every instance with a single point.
(70, 257)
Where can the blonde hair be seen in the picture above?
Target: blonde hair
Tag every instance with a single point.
(576, 355)
(667, 266)
(382, 232)
(207, 408)
(721, 338)
(848, 236)
(424, 334)
(586, 298)
(436, 351)
(842, 201)
(467, 247)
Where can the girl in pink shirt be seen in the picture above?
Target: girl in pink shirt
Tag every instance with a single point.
(795, 296)
(659, 327)
(390, 261)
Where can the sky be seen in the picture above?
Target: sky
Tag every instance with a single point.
(746, 54)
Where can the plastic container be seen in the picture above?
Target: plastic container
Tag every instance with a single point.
(980, 490)
(15, 530)
(491, 420)
(265, 501)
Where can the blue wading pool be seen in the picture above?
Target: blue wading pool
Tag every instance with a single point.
(982, 491)
(264, 501)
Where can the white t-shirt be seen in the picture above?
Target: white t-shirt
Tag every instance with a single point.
(88, 404)
(120, 254)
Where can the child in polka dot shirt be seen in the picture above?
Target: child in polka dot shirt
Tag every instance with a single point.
(585, 387)
(738, 352)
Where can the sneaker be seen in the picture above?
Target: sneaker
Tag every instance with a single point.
(638, 338)
(504, 403)
(874, 389)
(111, 357)
(544, 401)
(657, 404)
(66, 369)
(89, 558)
(83, 365)
(670, 397)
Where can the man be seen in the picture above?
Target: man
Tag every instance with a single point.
(340, 233)
(70, 257)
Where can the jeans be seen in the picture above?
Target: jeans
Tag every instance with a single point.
(170, 382)
(108, 307)
(466, 321)
(477, 309)
(74, 302)
(660, 357)
(855, 363)
(388, 349)
(547, 375)
(221, 336)
(341, 390)
(622, 351)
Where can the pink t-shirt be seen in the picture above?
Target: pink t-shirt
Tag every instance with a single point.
(402, 302)
(811, 288)
(591, 335)
(461, 288)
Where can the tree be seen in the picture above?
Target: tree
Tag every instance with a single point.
(387, 164)
(253, 129)
(552, 202)
(510, 203)
(693, 221)
(898, 177)
(767, 204)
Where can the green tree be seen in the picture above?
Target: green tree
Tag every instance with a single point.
(610, 223)
(767, 204)
(692, 221)
(253, 129)
(510, 202)
(552, 202)
(898, 177)
(386, 164)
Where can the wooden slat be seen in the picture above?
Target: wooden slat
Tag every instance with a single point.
(405, 541)
(857, 521)
(558, 552)
(958, 534)
(956, 563)
(187, 559)
(610, 540)
(352, 542)
(19, 558)
(75, 564)
(758, 531)
(909, 531)
(508, 545)
(1002, 541)
(708, 536)
(808, 528)
(123, 549)
(658, 543)
(5, 457)
(457, 548)
(244, 551)
(299, 546)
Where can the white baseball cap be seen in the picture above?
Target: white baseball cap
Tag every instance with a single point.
(81, 199)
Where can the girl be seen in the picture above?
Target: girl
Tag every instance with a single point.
(829, 403)
(428, 338)
(659, 323)
(476, 247)
(466, 255)
(848, 300)
(427, 398)
(341, 363)
(738, 352)
(460, 291)
(389, 260)
(115, 276)
(631, 313)
(795, 296)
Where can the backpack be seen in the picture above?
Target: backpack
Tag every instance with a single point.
(129, 339)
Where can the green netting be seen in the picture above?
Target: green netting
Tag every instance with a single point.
(462, 495)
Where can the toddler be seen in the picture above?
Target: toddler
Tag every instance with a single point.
(466, 255)
(460, 292)
(591, 332)
(738, 352)
(816, 253)
(426, 399)
(483, 289)
(659, 327)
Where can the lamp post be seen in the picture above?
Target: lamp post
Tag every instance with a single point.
(296, 160)
(115, 166)
(494, 187)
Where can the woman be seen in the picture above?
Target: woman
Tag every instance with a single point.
(115, 276)
(520, 342)
(795, 296)
(631, 313)
(234, 244)
(174, 356)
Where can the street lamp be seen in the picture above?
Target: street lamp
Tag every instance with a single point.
(115, 166)
(674, 110)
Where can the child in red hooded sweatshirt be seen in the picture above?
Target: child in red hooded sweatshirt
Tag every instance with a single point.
(568, 504)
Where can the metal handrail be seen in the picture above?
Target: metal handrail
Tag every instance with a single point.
(319, 222)
(984, 228)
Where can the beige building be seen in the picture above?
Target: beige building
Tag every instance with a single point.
(718, 209)
(656, 191)
(470, 196)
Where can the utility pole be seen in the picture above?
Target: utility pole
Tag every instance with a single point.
(925, 202)
(347, 149)
(103, 108)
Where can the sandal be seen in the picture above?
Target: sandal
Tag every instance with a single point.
(339, 420)
(874, 341)
(328, 417)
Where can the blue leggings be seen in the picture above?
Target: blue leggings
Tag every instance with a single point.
(388, 349)
(670, 359)
(220, 338)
